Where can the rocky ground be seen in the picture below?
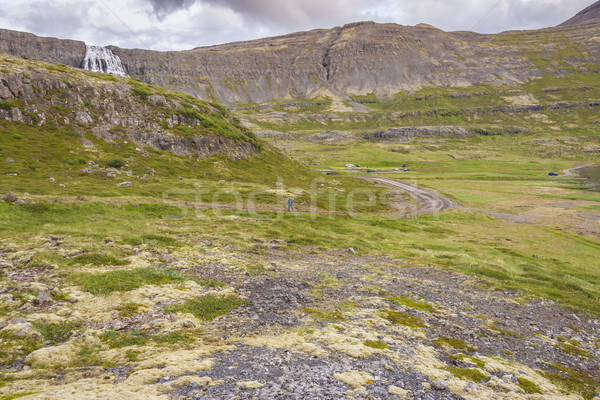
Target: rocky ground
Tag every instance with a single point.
(314, 325)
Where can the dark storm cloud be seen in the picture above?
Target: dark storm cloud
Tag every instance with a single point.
(161, 8)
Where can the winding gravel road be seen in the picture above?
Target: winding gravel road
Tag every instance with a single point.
(428, 201)
(573, 171)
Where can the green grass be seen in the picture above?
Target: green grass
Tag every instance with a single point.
(97, 259)
(16, 395)
(415, 304)
(126, 280)
(573, 381)
(55, 333)
(462, 357)
(88, 355)
(115, 163)
(207, 307)
(454, 343)
(470, 374)
(129, 309)
(334, 315)
(6, 105)
(573, 350)
(13, 348)
(503, 256)
(174, 338)
(376, 344)
(528, 386)
(116, 340)
(401, 318)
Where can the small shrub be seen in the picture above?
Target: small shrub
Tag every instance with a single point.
(88, 355)
(186, 130)
(174, 338)
(97, 259)
(455, 343)
(573, 350)
(57, 332)
(6, 105)
(207, 307)
(116, 163)
(573, 381)
(376, 344)
(528, 386)
(479, 363)
(470, 374)
(60, 108)
(154, 240)
(139, 89)
(325, 315)
(129, 309)
(76, 161)
(56, 67)
(126, 280)
(190, 113)
(132, 355)
(116, 340)
(415, 304)
(400, 318)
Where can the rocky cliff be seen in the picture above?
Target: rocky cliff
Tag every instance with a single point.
(357, 59)
(364, 58)
(119, 109)
(29, 46)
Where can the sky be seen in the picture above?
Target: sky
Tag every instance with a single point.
(185, 24)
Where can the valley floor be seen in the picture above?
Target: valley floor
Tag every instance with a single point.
(322, 325)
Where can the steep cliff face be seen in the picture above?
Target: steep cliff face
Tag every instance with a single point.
(364, 58)
(357, 59)
(29, 46)
(119, 109)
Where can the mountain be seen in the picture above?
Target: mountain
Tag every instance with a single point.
(356, 59)
(117, 108)
(589, 15)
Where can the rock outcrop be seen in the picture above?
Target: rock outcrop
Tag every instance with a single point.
(32, 47)
(360, 59)
(119, 109)
(356, 59)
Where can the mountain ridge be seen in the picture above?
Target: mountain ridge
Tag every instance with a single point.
(356, 59)
(587, 15)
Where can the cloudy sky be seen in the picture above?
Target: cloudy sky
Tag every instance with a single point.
(185, 24)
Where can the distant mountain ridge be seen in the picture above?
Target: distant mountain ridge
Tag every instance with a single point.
(358, 59)
(588, 15)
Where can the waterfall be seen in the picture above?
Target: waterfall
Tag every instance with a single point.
(101, 59)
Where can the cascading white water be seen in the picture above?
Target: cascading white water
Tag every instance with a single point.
(101, 59)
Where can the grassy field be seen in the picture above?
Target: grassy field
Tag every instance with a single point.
(150, 276)
(177, 202)
(464, 241)
(503, 176)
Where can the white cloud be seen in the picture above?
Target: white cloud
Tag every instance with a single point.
(184, 24)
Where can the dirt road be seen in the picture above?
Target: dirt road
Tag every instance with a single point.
(428, 201)
(573, 171)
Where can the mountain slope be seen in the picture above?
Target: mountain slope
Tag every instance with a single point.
(356, 59)
(363, 58)
(589, 15)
